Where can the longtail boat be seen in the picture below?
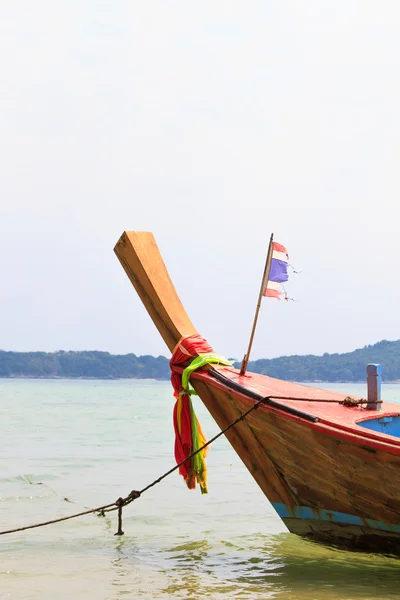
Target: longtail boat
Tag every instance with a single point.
(328, 463)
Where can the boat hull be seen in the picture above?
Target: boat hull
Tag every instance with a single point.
(325, 484)
(340, 529)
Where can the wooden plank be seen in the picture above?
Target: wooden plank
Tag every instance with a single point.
(225, 409)
(300, 466)
(140, 257)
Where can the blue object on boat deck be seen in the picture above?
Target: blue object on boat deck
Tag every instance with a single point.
(389, 425)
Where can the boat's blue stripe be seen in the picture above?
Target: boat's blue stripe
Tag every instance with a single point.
(305, 512)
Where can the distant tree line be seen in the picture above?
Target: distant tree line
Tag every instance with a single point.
(349, 366)
(103, 365)
(93, 364)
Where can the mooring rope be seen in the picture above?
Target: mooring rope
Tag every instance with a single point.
(134, 494)
(348, 401)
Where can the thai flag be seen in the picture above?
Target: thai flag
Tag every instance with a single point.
(278, 272)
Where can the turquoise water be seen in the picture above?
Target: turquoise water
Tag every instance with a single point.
(71, 445)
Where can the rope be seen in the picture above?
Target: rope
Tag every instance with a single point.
(134, 494)
(348, 401)
(86, 512)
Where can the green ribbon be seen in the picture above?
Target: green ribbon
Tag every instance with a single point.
(198, 363)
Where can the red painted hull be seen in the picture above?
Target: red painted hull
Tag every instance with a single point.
(327, 477)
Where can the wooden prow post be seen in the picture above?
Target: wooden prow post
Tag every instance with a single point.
(141, 259)
(267, 270)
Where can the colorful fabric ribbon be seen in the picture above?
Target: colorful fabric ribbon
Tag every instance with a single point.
(189, 436)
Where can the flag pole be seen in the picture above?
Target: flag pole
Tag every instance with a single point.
(265, 276)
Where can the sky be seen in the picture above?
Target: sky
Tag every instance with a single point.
(211, 124)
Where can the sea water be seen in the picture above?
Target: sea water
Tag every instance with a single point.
(67, 446)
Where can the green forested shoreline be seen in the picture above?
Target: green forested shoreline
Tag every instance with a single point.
(349, 366)
(88, 364)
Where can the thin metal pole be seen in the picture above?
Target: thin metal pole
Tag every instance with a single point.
(264, 280)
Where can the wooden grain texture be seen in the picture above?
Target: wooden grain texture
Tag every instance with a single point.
(139, 255)
(225, 410)
(297, 464)
(328, 473)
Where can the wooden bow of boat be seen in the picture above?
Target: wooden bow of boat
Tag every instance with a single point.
(329, 474)
(141, 259)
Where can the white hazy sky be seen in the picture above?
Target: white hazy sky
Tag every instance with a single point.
(211, 124)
